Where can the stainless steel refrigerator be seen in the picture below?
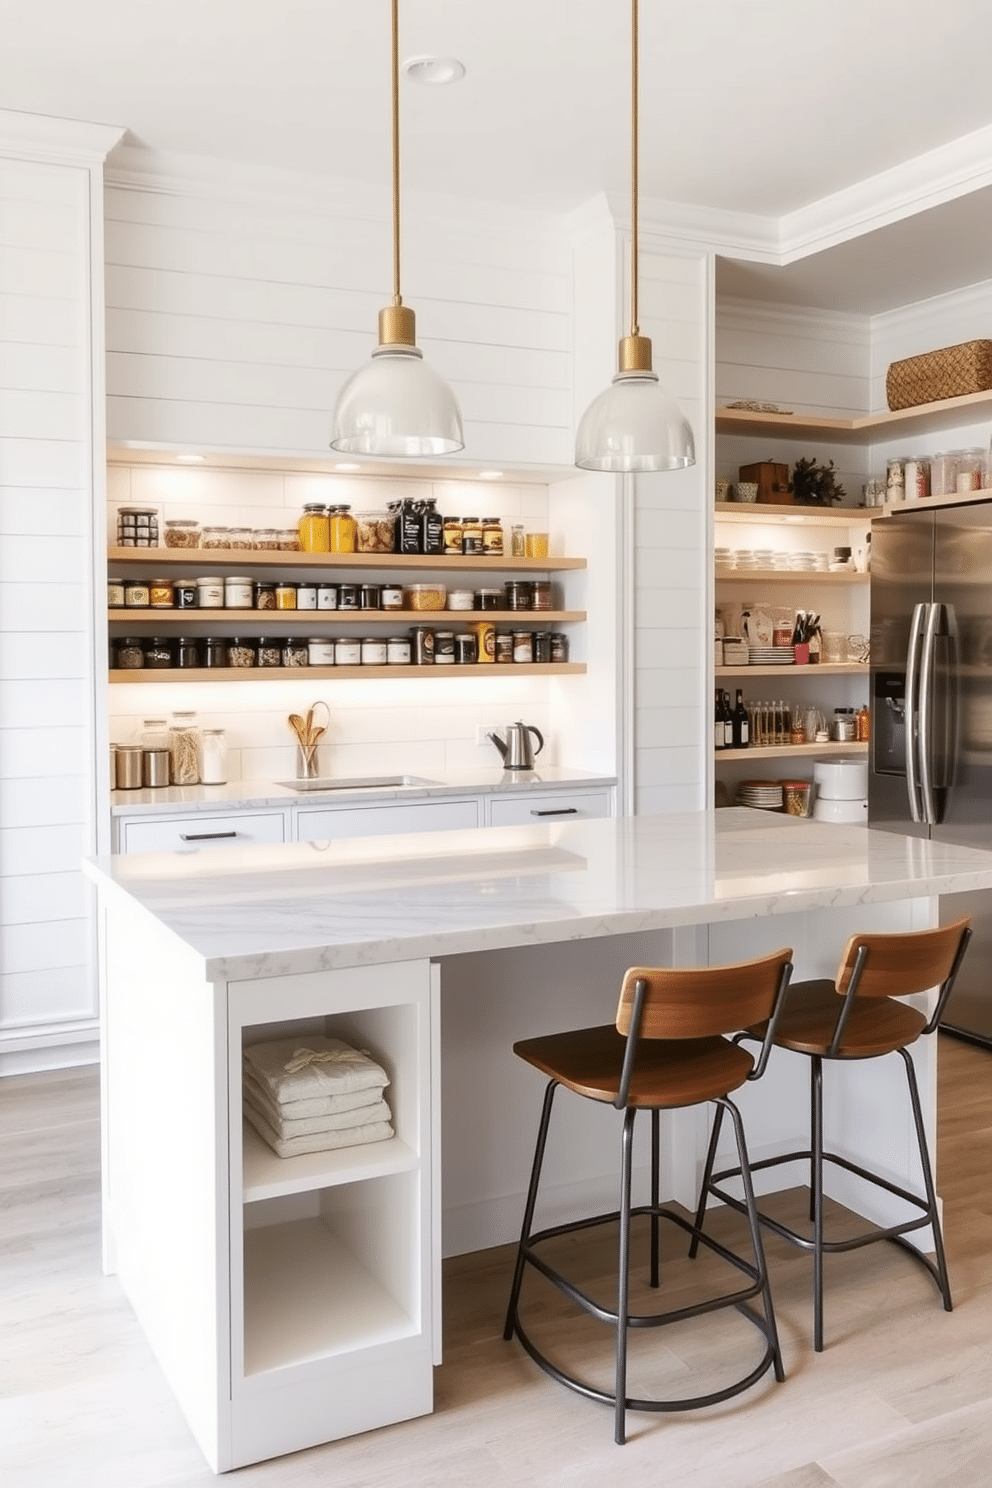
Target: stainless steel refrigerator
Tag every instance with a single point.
(931, 688)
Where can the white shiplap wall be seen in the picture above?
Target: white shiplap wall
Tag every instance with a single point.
(232, 322)
(670, 544)
(51, 419)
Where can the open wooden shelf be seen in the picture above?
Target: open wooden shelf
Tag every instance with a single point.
(182, 675)
(818, 669)
(788, 576)
(815, 516)
(865, 429)
(247, 560)
(271, 620)
(759, 752)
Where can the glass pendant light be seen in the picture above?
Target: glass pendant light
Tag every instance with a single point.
(397, 405)
(635, 425)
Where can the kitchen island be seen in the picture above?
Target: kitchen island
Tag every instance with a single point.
(291, 1301)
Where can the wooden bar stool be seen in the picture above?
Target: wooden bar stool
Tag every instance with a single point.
(666, 1050)
(857, 1017)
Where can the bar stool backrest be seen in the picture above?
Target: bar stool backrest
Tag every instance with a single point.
(897, 965)
(704, 1001)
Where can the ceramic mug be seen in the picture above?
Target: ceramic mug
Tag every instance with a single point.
(747, 490)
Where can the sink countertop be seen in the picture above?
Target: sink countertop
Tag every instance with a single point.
(259, 911)
(252, 794)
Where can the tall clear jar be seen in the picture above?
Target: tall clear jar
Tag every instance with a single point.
(342, 528)
(184, 749)
(314, 528)
(213, 757)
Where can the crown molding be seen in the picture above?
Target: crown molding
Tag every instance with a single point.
(66, 141)
(733, 313)
(973, 301)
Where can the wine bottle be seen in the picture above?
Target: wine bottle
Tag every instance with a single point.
(742, 731)
(728, 722)
(718, 721)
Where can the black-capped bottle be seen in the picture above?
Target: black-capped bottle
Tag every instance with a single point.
(742, 729)
(728, 722)
(718, 734)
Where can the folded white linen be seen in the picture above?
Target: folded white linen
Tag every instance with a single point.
(310, 1125)
(320, 1105)
(352, 1136)
(300, 1068)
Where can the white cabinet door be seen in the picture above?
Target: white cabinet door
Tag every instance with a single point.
(551, 806)
(329, 822)
(184, 834)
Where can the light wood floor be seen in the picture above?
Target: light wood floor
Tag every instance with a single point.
(901, 1396)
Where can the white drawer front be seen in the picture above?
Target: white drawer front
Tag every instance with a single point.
(187, 833)
(380, 821)
(554, 806)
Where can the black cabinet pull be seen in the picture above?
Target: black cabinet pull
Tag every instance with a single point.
(204, 836)
(558, 811)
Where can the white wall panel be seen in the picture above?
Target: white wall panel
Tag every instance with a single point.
(28, 899)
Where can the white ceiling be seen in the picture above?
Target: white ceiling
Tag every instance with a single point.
(754, 106)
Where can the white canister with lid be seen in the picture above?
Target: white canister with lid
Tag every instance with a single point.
(239, 593)
(841, 779)
(210, 593)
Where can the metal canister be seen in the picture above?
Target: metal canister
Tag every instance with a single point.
(466, 648)
(370, 597)
(540, 595)
(155, 768)
(347, 596)
(129, 758)
(422, 646)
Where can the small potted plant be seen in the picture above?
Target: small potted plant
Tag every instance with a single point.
(816, 485)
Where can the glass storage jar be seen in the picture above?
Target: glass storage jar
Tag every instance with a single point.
(182, 533)
(129, 653)
(503, 646)
(184, 749)
(347, 651)
(213, 757)
(136, 594)
(559, 646)
(373, 651)
(472, 537)
(240, 537)
(214, 537)
(137, 527)
(184, 592)
(327, 596)
(265, 596)
(306, 595)
(523, 645)
(518, 540)
(320, 650)
(215, 651)
(314, 528)
(492, 537)
(115, 594)
(158, 652)
(154, 733)
(375, 532)
(347, 596)
(466, 648)
(269, 652)
(444, 648)
(398, 651)
(341, 526)
(285, 596)
(265, 538)
(294, 652)
(187, 652)
(241, 652)
(289, 540)
(451, 536)
(391, 597)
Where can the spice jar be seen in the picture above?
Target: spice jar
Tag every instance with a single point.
(444, 648)
(518, 594)
(136, 594)
(341, 526)
(320, 650)
(210, 593)
(540, 595)
(460, 599)
(184, 593)
(523, 645)
(398, 651)
(492, 537)
(265, 596)
(327, 596)
(370, 597)
(295, 652)
(843, 729)
(269, 652)
(182, 534)
(518, 540)
(314, 528)
(559, 646)
(129, 654)
(347, 651)
(187, 652)
(213, 757)
(158, 652)
(285, 596)
(452, 535)
(391, 597)
(240, 653)
(184, 749)
(472, 537)
(347, 596)
(542, 646)
(306, 595)
(489, 599)
(115, 594)
(503, 646)
(215, 652)
(373, 651)
(239, 593)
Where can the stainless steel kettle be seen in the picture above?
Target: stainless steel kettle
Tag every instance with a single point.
(518, 752)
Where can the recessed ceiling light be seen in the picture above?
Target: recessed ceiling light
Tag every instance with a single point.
(347, 467)
(490, 474)
(434, 69)
(190, 459)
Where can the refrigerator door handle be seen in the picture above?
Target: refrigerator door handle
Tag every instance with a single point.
(925, 714)
(912, 711)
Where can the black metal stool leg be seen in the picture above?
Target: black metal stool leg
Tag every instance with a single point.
(707, 1175)
(921, 1137)
(525, 1228)
(816, 1196)
(754, 1225)
(655, 1190)
(623, 1277)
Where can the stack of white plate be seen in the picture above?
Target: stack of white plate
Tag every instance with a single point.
(771, 656)
(763, 795)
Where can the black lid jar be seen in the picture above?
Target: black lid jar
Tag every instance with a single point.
(158, 652)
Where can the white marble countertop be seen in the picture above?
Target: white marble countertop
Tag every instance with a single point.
(300, 907)
(251, 795)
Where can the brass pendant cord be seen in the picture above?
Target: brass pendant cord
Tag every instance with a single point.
(397, 297)
(634, 328)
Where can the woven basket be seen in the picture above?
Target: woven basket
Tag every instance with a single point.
(949, 373)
